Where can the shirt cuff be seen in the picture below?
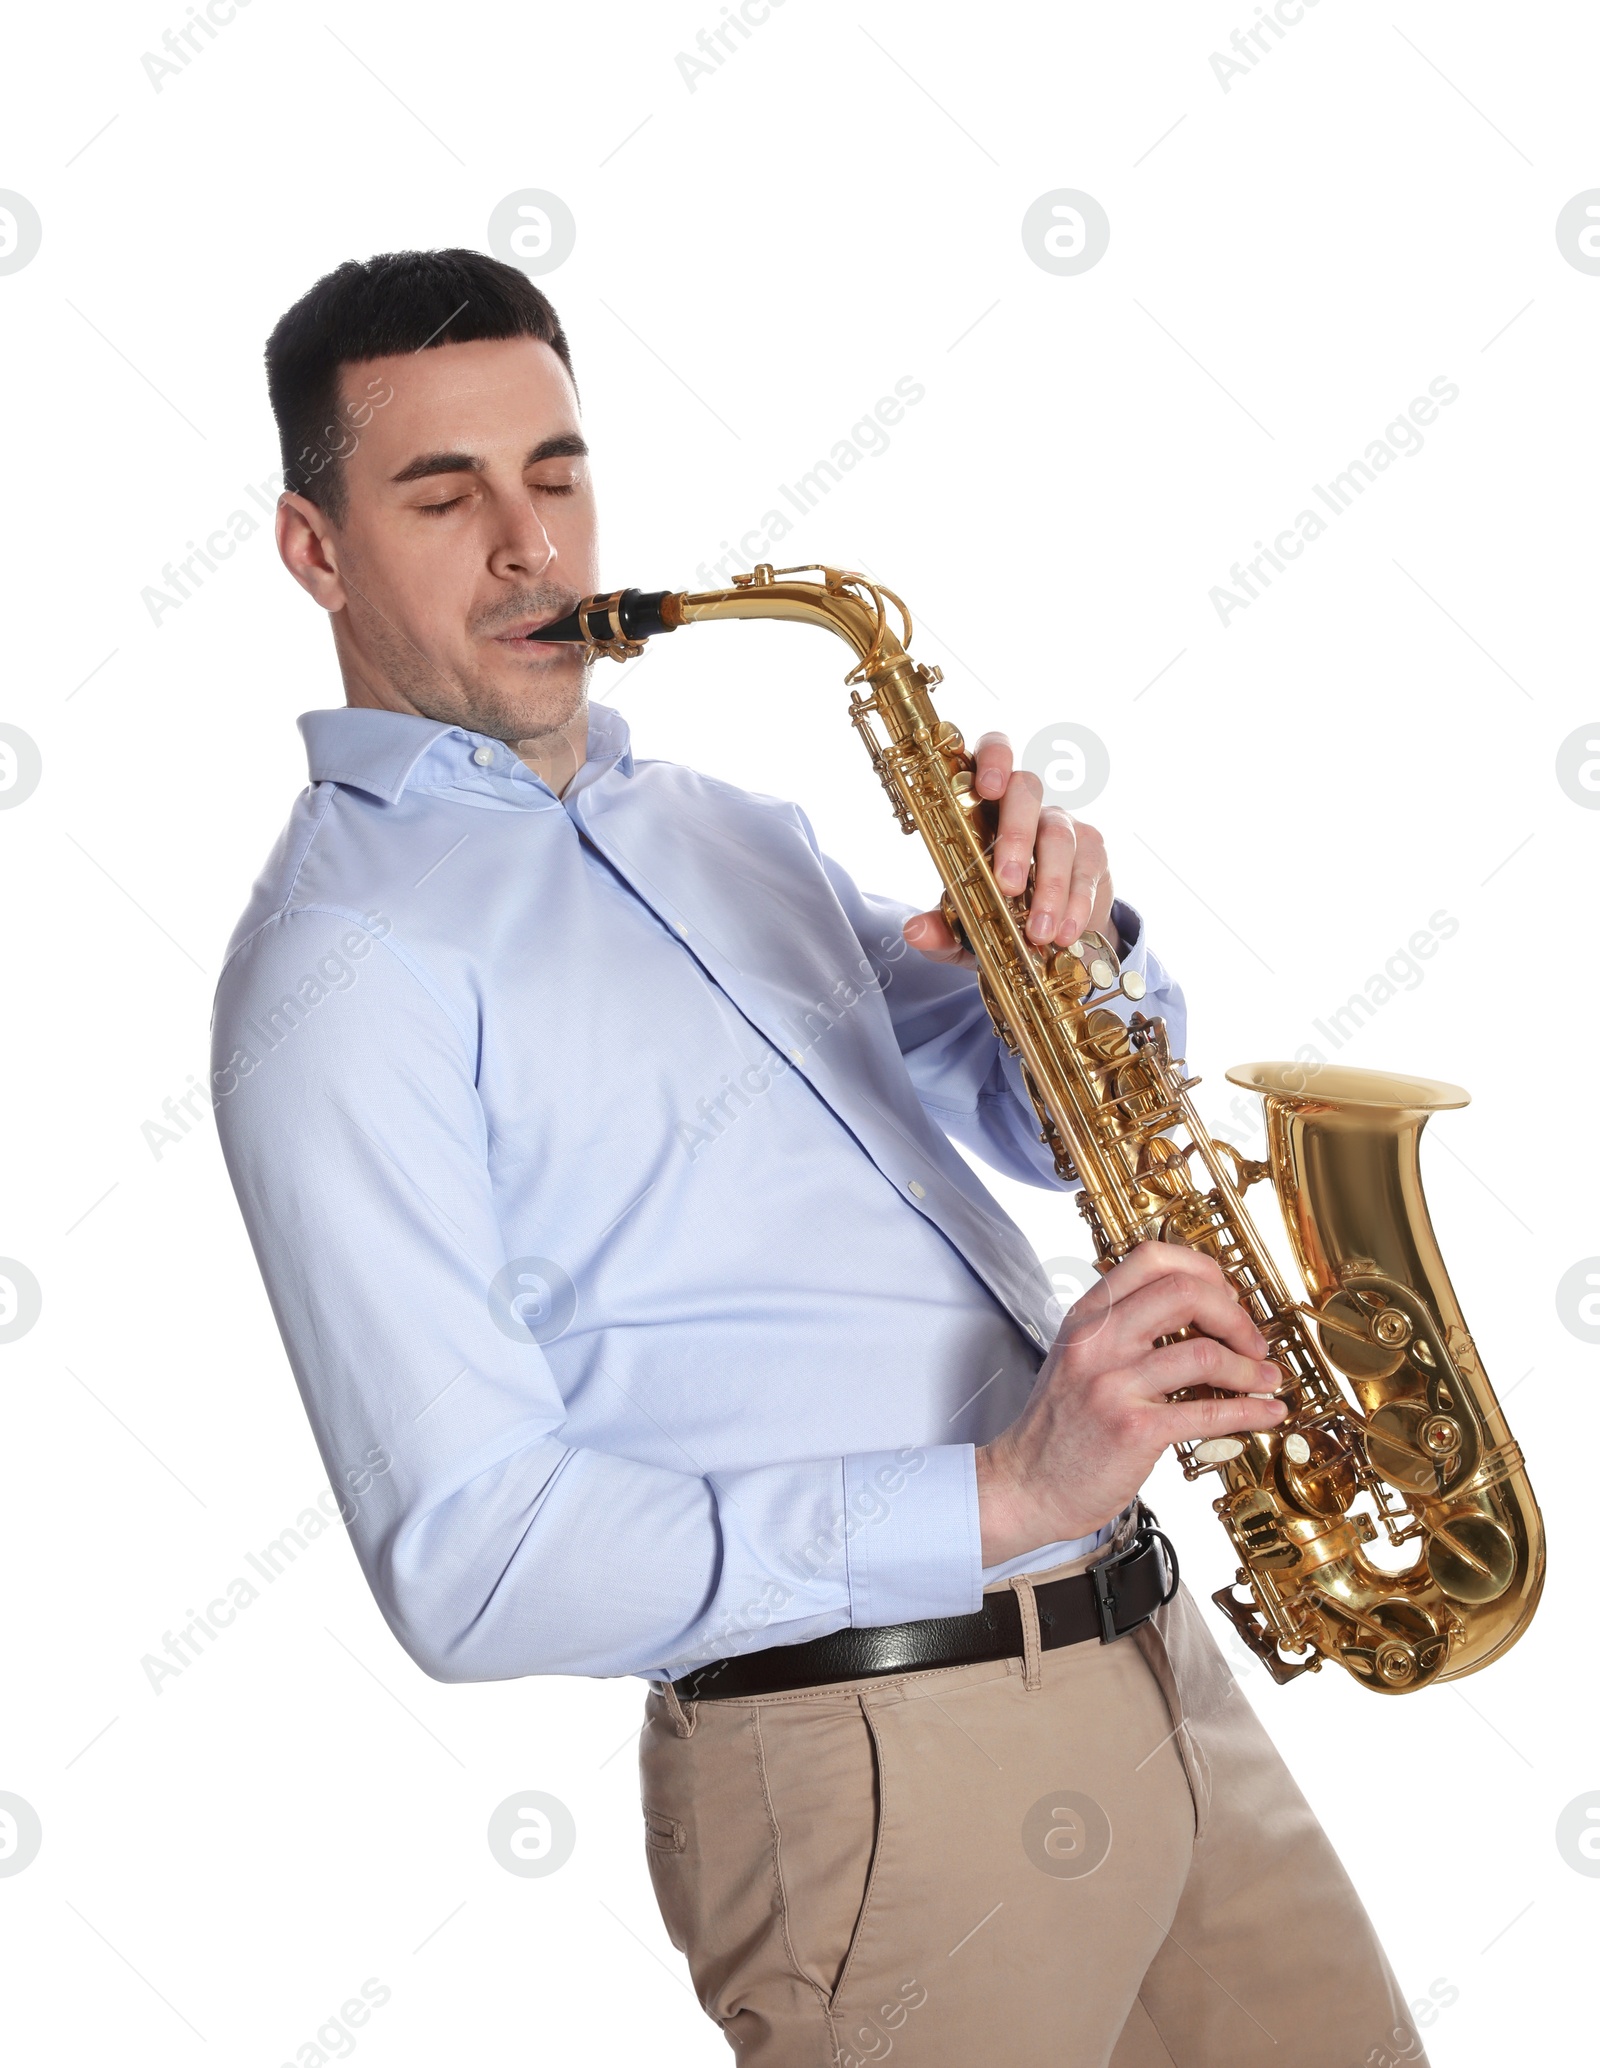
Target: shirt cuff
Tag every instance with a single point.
(1130, 929)
(913, 1544)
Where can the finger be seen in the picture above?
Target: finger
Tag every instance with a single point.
(930, 934)
(1179, 1301)
(1202, 1361)
(1184, 1420)
(1170, 1304)
(992, 764)
(1088, 873)
(1154, 1258)
(1147, 1261)
(1017, 829)
(1143, 1264)
(1054, 863)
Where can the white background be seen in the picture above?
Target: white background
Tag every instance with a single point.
(1292, 795)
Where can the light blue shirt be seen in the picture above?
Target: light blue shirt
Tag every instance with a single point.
(597, 1155)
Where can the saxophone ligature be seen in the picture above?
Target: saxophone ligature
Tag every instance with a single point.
(1387, 1523)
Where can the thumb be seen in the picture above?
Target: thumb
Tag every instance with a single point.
(929, 934)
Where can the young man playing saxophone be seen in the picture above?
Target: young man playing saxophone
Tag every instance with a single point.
(613, 1201)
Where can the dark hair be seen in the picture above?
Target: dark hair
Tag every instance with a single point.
(400, 301)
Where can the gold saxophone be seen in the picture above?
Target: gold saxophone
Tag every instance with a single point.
(1413, 1455)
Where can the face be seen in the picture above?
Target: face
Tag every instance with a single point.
(470, 521)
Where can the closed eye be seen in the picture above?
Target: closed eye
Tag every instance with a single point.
(543, 487)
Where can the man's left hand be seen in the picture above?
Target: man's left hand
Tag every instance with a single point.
(1071, 877)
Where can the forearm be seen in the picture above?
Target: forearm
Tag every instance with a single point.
(502, 1537)
(617, 1567)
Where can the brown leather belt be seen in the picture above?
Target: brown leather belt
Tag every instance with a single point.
(1105, 1601)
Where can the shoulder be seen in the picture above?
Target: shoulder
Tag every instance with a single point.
(320, 917)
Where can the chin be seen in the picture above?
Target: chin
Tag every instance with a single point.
(533, 696)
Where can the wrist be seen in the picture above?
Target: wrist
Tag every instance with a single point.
(1007, 1525)
(1013, 1519)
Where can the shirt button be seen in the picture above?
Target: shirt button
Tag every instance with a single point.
(1035, 1331)
(916, 1190)
(483, 756)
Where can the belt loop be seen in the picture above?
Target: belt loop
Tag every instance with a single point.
(683, 1722)
(1028, 1607)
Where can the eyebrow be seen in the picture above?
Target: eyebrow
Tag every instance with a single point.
(567, 447)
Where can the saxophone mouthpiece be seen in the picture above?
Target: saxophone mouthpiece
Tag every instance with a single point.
(618, 623)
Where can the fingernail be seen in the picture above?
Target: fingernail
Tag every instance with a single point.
(1041, 924)
(1012, 875)
(913, 927)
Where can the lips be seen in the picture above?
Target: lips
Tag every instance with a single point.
(528, 628)
(525, 631)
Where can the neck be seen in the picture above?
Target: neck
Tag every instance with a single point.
(557, 756)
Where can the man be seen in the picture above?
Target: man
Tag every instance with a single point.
(594, 1133)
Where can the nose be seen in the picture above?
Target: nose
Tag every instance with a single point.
(522, 550)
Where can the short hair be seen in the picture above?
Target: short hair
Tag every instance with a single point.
(400, 301)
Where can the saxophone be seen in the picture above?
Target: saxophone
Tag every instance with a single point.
(1410, 1454)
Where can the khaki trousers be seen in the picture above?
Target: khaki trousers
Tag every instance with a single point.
(1091, 1857)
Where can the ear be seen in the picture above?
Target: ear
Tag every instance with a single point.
(307, 545)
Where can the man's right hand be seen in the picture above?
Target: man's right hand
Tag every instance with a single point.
(1098, 1417)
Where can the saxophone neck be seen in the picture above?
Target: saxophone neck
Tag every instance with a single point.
(855, 609)
(849, 605)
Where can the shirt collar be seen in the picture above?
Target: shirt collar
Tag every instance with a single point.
(382, 752)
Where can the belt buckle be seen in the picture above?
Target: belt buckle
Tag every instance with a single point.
(1105, 1598)
(1101, 1575)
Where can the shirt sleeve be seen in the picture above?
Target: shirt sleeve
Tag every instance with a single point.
(968, 1083)
(345, 1093)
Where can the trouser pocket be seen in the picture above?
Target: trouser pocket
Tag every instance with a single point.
(759, 1833)
(1195, 1681)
